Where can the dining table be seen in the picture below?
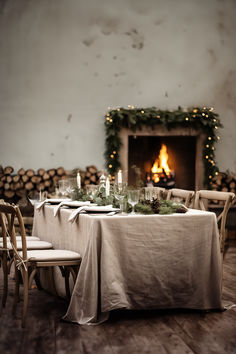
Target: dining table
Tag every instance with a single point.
(136, 261)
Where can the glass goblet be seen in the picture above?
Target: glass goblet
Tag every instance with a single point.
(72, 184)
(62, 186)
(133, 198)
(120, 191)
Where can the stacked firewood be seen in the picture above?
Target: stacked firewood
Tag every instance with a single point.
(90, 176)
(225, 182)
(26, 182)
(15, 186)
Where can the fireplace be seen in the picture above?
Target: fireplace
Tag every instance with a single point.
(184, 147)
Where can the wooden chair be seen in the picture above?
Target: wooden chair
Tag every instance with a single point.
(202, 199)
(6, 250)
(156, 192)
(28, 262)
(181, 195)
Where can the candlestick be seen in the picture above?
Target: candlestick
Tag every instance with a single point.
(78, 180)
(119, 179)
(107, 187)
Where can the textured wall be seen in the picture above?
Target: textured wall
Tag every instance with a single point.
(62, 63)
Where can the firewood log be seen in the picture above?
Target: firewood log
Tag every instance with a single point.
(8, 170)
(29, 186)
(16, 178)
(51, 172)
(9, 194)
(36, 179)
(92, 169)
(47, 183)
(45, 176)
(29, 172)
(60, 171)
(1, 170)
(1, 184)
(25, 178)
(21, 172)
(9, 179)
(6, 186)
(41, 171)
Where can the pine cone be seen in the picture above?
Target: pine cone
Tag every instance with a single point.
(155, 204)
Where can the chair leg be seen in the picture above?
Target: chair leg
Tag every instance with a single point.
(26, 294)
(5, 279)
(17, 288)
(67, 283)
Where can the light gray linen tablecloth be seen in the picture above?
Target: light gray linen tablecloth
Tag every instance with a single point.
(137, 262)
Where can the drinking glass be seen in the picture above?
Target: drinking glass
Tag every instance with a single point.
(63, 185)
(120, 191)
(91, 190)
(133, 198)
(72, 184)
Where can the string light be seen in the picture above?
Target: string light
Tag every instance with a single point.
(216, 173)
(203, 114)
(206, 116)
(209, 138)
(206, 156)
(195, 110)
(110, 166)
(158, 117)
(114, 152)
(142, 112)
(210, 176)
(207, 146)
(216, 127)
(218, 137)
(211, 109)
(212, 148)
(118, 109)
(112, 156)
(186, 118)
(214, 120)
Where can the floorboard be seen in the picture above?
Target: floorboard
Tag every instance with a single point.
(146, 332)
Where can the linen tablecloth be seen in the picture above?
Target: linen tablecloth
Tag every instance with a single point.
(138, 262)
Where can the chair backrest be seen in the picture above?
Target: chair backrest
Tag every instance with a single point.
(8, 213)
(202, 199)
(7, 217)
(155, 192)
(181, 195)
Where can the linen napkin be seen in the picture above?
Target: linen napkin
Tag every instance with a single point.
(75, 214)
(41, 205)
(66, 203)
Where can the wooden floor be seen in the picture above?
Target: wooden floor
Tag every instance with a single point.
(126, 331)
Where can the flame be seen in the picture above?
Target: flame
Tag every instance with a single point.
(161, 164)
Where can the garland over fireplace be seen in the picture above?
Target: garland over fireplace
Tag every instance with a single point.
(202, 123)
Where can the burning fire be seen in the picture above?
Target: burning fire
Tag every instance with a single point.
(161, 164)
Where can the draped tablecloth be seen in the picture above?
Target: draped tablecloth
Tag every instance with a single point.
(137, 262)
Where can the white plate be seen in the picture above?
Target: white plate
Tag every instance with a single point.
(76, 203)
(57, 200)
(100, 209)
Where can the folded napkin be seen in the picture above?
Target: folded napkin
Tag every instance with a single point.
(71, 204)
(75, 213)
(41, 205)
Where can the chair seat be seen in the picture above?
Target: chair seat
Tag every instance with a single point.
(52, 255)
(28, 238)
(31, 245)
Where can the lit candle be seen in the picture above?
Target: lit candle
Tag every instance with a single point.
(78, 180)
(107, 187)
(119, 180)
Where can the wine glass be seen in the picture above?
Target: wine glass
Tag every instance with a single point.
(62, 186)
(72, 184)
(91, 190)
(120, 191)
(133, 198)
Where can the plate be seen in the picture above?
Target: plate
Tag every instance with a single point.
(100, 209)
(57, 200)
(76, 203)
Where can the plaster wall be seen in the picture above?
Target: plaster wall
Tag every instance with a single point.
(63, 63)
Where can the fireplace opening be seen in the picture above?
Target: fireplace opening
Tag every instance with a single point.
(144, 151)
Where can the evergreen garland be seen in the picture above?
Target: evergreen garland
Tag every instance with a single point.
(135, 118)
